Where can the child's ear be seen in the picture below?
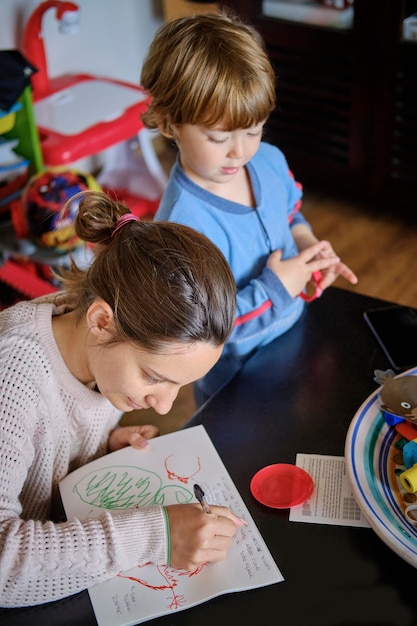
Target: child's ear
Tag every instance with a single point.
(168, 134)
(100, 319)
(165, 127)
(167, 131)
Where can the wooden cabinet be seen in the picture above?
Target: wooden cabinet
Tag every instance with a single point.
(182, 8)
(346, 115)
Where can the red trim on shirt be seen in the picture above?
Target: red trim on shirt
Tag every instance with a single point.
(256, 313)
(295, 210)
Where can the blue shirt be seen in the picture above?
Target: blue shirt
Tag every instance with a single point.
(247, 236)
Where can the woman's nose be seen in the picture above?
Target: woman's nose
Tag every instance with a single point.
(162, 402)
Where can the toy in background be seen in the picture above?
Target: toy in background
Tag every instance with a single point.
(19, 143)
(39, 237)
(67, 119)
(81, 116)
(20, 157)
(68, 15)
(126, 176)
(398, 397)
(399, 408)
(14, 171)
(38, 216)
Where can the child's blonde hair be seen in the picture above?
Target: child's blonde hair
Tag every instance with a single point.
(165, 282)
(210, 70)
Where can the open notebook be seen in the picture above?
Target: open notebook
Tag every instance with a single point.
(165, 473)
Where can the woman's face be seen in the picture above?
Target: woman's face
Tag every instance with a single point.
(131, 378)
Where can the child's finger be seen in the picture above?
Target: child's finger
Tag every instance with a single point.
(322, 250)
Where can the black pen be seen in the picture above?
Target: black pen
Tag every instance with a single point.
(199, 494)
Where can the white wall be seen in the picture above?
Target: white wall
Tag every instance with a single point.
(113, 39)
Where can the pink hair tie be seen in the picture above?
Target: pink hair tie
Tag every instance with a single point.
(127, 217)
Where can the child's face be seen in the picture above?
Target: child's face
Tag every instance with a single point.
(137, 379)
(211, 156)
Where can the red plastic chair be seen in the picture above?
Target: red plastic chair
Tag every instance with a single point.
(81, 115)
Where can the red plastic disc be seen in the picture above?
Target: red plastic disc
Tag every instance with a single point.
(281, 486)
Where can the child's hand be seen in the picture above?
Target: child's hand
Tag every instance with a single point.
(296, 272)
(334, 271)
(136, 436)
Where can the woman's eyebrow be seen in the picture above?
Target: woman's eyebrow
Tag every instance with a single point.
(160, 377)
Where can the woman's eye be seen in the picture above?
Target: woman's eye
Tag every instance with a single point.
(150, 379)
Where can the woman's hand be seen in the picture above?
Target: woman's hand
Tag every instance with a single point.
(136, 436)
(197, 537)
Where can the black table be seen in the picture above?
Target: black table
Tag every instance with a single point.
(299, 394)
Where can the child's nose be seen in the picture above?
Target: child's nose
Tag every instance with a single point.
(237, 150)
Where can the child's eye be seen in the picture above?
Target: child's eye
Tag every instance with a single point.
(256, 133)
(213, 140)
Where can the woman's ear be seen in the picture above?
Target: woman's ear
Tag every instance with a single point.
(100, 319)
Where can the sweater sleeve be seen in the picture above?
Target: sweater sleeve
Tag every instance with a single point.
(42, 560)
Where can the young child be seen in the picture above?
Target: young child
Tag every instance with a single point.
(213, 88)
(149, 315)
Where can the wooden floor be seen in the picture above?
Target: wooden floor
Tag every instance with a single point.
(381, 250)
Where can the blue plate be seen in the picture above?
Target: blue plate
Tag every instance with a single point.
(369, 453)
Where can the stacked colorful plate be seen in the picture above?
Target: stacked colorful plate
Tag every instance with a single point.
(370, 453)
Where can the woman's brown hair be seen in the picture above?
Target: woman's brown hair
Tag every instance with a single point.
(165, 282)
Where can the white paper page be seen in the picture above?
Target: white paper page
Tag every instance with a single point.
(332, 501)
(165, 473)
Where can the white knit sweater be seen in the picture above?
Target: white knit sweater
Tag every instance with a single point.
(50, 424)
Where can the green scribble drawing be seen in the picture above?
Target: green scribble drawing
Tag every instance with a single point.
(127, 487)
